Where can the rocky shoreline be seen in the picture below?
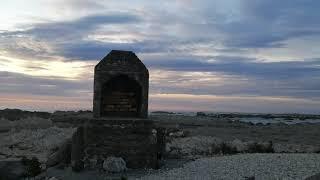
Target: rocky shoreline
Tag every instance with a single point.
(189, 140)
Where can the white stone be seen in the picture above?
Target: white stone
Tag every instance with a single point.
(53, 178)
(177, 134)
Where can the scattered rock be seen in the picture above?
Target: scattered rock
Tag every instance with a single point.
(172, 130)
(92, 163)
(114, 164)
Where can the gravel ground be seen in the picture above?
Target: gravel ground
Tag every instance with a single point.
(226, 130)
(261, 166)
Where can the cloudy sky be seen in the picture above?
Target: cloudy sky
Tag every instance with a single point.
(202, 55)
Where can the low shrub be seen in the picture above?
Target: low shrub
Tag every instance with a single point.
(226, 149)
(32, 166)
(260, 148)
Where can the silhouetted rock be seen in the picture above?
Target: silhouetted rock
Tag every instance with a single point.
(201, 114)
(162, 112)
(16, 114)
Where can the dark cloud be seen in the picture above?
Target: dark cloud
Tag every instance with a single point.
(62, 36)
(241, 66)
(295, 79)
(267, 23)
(262, 24)
(74, 28)
(79, 27)
(178, 36)
(33, 85)
(70, 39)
(93, 50)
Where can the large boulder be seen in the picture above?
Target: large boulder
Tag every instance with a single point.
(114, 165)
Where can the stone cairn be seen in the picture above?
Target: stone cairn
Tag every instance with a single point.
(120, 126)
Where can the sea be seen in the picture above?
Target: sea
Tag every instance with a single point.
(254, 120)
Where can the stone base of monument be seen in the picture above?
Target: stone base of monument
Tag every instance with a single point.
(137, 141)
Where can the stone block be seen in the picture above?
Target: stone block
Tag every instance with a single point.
(136, 141)
(77, 149)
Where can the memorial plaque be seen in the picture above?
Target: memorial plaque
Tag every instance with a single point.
(121, 83)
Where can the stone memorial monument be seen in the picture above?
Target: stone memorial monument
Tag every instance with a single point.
(120, 126)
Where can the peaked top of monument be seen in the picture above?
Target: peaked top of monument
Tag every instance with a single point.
(119, 59)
